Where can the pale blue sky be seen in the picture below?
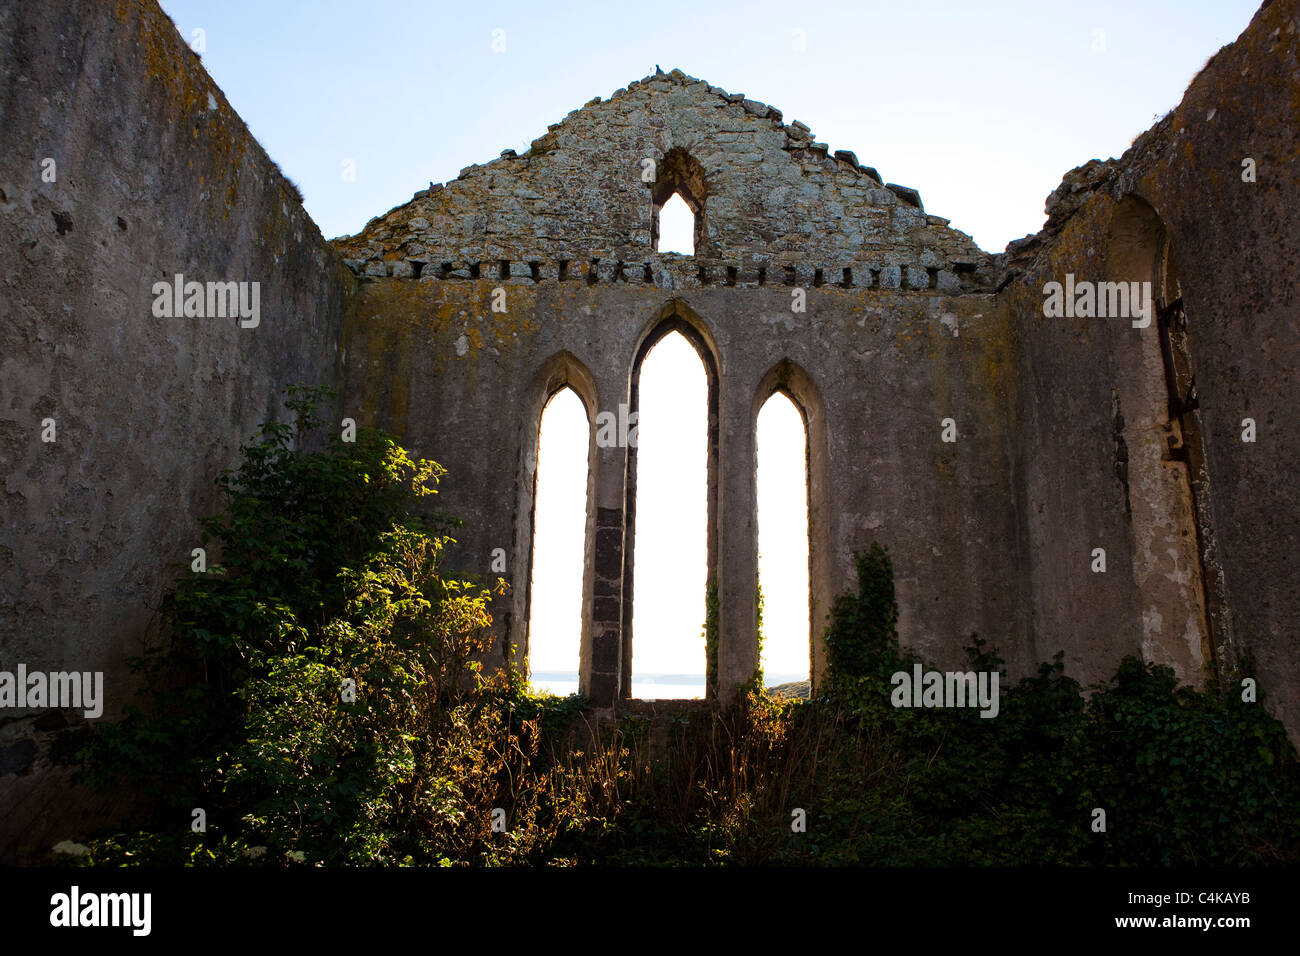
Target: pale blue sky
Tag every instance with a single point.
(982, 106)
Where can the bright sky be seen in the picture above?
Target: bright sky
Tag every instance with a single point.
(982, 107)
(560, 521)
(677, 227)
(670, 553)
(783, 539)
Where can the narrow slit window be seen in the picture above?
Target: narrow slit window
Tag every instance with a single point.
(670, 541)
(559, 539)
(783, 543)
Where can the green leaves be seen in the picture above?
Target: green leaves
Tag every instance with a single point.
(329, 571)
(862, 639)
(326, 574)
(1186, 776)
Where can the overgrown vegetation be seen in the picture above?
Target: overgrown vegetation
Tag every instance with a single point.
(711, 635)
(322, 701)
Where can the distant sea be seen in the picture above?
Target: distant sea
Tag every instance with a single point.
(644, 686)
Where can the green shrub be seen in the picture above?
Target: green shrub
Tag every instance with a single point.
(1184, 776)
(320, 695)
(321, 698)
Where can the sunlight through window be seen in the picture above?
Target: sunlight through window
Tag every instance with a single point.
(677, 227)
(783, 541)
(559, 537)
(671, 547)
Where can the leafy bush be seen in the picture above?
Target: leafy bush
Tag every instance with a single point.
(320, 696)
(1184, 776)
(322, 699)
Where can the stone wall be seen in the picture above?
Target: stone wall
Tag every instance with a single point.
(1070, 441)
(876, 373)
(584, 196)
(1073, 434)
(153, 174)
(900, 332)
(1187, 510)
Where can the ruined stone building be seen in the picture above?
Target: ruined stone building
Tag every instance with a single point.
(1172, 445)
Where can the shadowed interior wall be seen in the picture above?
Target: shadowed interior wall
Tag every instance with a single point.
(154, 175)
(1220, 176)
(887, 366)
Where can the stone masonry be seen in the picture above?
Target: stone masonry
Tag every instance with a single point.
(453, 318)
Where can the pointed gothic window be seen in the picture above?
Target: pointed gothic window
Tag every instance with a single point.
(559, 536)
(671, 514)
(783, 541)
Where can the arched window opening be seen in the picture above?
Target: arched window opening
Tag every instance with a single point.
(1184, 622)
(782, 474)
(670, 543)
(679, 181)
(677, 227)
(559, 540)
